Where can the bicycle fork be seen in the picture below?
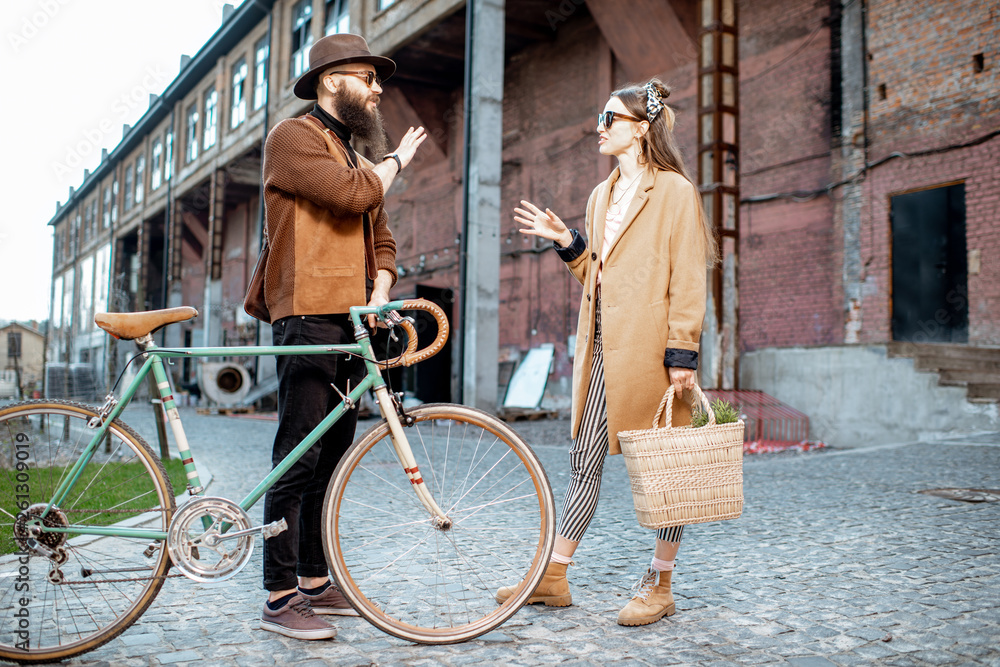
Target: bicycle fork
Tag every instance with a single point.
(406, 459)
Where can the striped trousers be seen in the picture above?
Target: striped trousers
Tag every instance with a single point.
(586, 458)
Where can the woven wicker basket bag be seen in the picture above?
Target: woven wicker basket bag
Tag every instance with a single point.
(682, 475)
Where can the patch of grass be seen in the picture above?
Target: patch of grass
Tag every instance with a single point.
(121, 486)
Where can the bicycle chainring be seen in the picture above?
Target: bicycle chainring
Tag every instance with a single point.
(196, 539)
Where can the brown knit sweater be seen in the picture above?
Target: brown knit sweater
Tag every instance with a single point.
(321, 248)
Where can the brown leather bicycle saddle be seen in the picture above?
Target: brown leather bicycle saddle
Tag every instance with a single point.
(129, 326)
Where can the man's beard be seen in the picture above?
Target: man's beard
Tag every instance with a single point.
(364, 124)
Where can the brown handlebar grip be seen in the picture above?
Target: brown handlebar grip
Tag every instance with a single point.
(411, 345)
(410, 358)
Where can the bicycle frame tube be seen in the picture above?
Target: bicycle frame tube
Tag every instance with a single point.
(154, 362)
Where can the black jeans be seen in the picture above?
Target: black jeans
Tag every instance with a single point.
(305, 397)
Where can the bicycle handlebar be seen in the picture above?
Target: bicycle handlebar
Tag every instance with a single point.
(412, 355)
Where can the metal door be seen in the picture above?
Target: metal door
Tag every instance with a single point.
(929, 274)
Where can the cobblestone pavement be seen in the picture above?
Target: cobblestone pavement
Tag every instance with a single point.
(836, 560)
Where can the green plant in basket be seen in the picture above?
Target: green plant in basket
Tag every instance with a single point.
(725, 413)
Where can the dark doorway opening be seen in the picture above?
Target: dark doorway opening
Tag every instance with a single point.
(432, 378)
(929, 274)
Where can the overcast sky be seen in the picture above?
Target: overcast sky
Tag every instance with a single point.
(67, 67)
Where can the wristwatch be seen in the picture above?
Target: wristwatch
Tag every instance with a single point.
(399, 165)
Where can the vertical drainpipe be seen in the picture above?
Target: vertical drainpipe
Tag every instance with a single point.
(864, 75)
(466, 167)
(168, 237)
(263, 140)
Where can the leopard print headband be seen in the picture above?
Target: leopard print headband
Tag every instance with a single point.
(654, 105)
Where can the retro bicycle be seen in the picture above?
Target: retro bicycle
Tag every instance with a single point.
(427, 514)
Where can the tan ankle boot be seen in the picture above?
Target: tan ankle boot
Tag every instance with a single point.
(651, 602)
(553, 591)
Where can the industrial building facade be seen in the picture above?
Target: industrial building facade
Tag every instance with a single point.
(862, 137)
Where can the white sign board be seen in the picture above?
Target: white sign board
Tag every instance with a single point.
(527, 386)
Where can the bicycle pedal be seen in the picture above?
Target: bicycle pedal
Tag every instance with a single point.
(274, 528)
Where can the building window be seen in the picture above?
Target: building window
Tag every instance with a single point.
(338, 18)
(168, 157)
(69, 278)
(260, 74)
(86, 223)
(140, 182)
(93, 217)
(129, 189)
(383, 4)
(13, 345)
(86, 303)
(56, 247)
(301, 37)
(55, 312)
(211, 118)
(114, 199)
(192, 133)
(107, 207)
(238, 110)
(156, 164)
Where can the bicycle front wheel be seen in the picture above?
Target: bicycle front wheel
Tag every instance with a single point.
(420, 581)
(62, 594)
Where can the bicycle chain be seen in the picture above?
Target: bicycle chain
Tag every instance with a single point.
(140, 511)
(117, 581)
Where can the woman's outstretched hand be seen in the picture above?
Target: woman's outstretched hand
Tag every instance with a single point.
(542, 223)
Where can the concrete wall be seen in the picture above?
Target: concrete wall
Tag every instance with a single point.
(856, 396)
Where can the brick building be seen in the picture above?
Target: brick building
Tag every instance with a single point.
(847, 112)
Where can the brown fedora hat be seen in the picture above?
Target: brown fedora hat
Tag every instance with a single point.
(339, 49)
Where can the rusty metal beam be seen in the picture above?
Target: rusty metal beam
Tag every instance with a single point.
(718, 181)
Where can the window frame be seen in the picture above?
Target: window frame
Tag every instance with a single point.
(301, 21)
(262, 57)
(168, 155)
(193, 117)
(106, 213)
(140, 181)
(129, 188)
(210, 129)
(341, 10)
(237, 93)
(156, 165)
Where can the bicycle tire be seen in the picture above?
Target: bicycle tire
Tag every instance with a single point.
(421, 583)
(95, 603)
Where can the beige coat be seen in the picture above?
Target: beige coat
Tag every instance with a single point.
(652, 298)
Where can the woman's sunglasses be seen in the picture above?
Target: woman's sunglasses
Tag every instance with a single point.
(605, 118)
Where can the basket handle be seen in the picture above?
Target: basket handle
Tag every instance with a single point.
(667, 405)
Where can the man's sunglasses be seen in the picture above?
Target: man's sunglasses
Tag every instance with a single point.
(605, 118)
(369, 76)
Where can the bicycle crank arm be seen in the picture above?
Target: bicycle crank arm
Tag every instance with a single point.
(267, 532)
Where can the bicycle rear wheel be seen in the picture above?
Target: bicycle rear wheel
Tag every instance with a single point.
(64, 594)
(428, 584)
